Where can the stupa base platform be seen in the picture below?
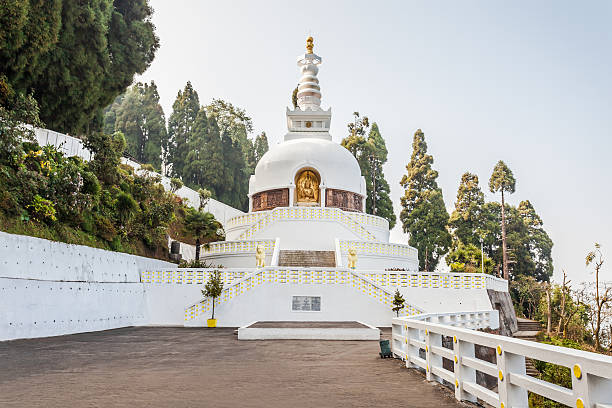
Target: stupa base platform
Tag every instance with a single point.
(308, 330)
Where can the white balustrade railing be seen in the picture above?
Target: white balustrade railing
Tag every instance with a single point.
(237, 247)
(414, 335)
(253, 217)
(307, 214)
(370, 220)
(436, 280)
(245, 220)
(378, 248)
(452, 280)
(383, 279)
(192, 276)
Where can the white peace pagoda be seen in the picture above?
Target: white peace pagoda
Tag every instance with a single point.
(307, 199)
(306, 250)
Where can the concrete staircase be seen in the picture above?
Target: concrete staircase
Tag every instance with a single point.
(528, 330)
(308, 259)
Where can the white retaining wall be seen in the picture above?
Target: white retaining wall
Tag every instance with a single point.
(51, 288)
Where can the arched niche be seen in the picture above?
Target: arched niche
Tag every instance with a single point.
(307, 187)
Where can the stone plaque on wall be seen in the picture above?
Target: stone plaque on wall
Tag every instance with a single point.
(267, 200)
(345, 200)
(306, 304)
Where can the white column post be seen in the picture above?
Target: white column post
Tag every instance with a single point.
(508, 363)
(250, 202)
(463, 373)
(323, 189)
(291, 195)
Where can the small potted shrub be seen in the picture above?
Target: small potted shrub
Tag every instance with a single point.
(398, 302)
(213, 290)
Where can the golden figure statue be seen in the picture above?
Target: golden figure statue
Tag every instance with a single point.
(307, 187)
(309, 44)
(260, 256)
(352, 258)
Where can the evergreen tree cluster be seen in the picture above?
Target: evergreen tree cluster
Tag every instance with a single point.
(371, 154)
(203, 146)
(139, 116)
(434, 233)
(73, 56)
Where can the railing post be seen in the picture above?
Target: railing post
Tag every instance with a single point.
(411, 348)
(507, 364)
(590, 389)
(463, 373)
(433, 360)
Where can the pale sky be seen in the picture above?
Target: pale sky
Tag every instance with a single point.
(526, 82)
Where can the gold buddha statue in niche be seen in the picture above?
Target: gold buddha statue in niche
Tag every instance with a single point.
(307, 187)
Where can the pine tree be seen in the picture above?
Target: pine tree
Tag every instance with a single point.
(180, 126)
(154, 124)
(378, 201)
(205, 162)
(371, 154)
(502, 180)
(540, 244)
(139, 116)
(260, 146)
(466, 219)
(424, 215)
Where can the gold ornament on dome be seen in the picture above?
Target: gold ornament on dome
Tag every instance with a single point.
(307, 187)
(309, 45)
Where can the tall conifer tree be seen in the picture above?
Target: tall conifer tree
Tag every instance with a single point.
(371, 154)
(502, 180)
(180, 126)
(260, 146)
(540, 244)
(140, 117)
(466, 219)
(424, 215)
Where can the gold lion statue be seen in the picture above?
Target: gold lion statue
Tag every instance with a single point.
(352, 258)
(260, 255)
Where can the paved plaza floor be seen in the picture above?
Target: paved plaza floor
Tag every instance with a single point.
(187, 367)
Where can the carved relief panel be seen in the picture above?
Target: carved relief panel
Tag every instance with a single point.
(267, 200)
(345, 200)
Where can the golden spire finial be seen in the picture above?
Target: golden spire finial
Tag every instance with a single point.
(309, 44)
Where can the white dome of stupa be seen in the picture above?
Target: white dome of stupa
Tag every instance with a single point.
(336, 166)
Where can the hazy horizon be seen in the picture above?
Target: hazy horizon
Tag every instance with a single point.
(524, 82)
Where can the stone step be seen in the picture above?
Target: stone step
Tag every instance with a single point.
(307, 258)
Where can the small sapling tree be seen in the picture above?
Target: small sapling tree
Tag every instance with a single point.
(398, 302)
(213, 289)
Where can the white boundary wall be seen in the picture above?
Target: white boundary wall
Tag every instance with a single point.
(51, 288)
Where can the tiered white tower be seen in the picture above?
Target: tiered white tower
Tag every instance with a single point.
(307, 198)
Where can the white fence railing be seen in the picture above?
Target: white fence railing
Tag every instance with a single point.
(423, 280)
(378, 248)
(307, 214)
(452, 280)
(414, 335)
(252, 218)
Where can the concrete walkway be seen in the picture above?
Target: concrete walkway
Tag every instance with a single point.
(180, 367)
